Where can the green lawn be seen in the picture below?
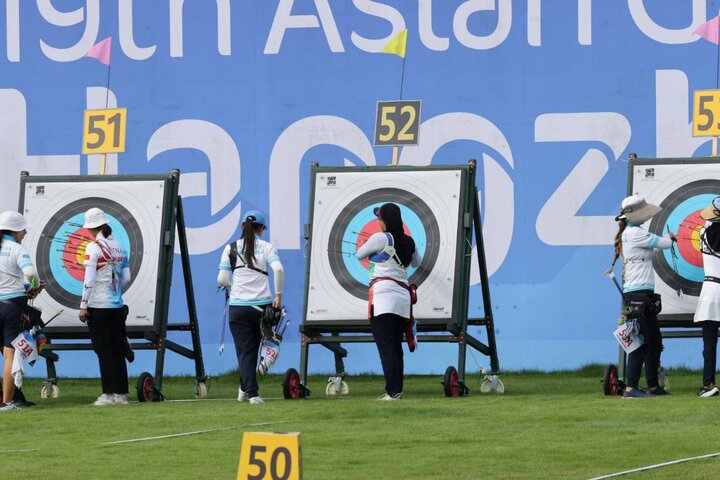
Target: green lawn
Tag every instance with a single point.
(554, 425)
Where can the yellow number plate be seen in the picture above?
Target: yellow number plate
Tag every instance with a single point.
(397, 123)
(706, 113)
(271, 456)
(104, 131)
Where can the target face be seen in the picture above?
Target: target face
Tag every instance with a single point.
(343, 219)
(683, 190)
(56, 241)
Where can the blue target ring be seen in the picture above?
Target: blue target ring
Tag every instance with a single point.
(411, 220)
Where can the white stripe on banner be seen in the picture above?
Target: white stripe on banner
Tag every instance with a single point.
(656, 466)
(173, 435)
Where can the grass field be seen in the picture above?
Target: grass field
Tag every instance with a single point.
(546, 425)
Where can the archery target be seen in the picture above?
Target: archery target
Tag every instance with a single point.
(56, 241)
(683, 190)
(343, 218)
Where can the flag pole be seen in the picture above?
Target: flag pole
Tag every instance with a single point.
(714, 152)
(103, 160)
(396, 149)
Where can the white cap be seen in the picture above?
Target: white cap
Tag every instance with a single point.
(12, 221)
(94, 218)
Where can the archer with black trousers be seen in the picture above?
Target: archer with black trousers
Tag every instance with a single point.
(390, 252)
(243, 270)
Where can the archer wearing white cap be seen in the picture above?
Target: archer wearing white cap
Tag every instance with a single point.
(106, 271)
(707, 313)
(16, 270)
(636, 247)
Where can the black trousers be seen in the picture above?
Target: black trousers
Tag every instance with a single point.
(710, 341)
(245, 329)
(648, 353)
(387, 330)
(108, 336)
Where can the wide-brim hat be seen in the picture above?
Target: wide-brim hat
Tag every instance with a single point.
(636, 210)
(12, 221)
(95, 218)
(712, 211)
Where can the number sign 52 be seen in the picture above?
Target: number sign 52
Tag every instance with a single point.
(397, 123)
(271, 456)
(706, 113)
(104, 131)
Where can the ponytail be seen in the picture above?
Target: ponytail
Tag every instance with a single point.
(622, 224)
(248, 236)
(106, 230)
(404, 245)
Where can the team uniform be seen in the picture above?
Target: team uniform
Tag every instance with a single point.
(639, 246)
(389, 305)
(249, 294)
(107, 270)
(15, 265)
(707, 312)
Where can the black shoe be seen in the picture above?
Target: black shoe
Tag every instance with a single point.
(708, 391)
(19, 399)
(657, 391)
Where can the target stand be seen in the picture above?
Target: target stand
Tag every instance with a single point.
(682, 187)
(440, 211)
(144, 212)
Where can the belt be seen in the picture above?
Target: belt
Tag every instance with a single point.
(712, 279)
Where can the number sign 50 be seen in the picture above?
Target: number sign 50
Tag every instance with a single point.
(270, 456)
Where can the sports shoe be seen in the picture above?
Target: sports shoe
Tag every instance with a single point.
(242, 396)
(636, 393)
(708, 391)
(104, 400)
(120, 399)
(389, 398)
(256, 400)
(9, 406)
(657, 391)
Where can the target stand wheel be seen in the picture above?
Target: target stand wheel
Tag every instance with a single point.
(292, 389)
(145, 387)
(201, 389)
(50, 390)
(451, 382)
(336, 386)
(492, 384)
(663, 379)
(611, 382)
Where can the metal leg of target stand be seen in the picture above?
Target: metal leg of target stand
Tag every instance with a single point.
(462, 351)
(304, 346)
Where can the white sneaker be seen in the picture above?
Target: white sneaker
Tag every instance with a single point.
(256, 400)
(242, 396)
(390, 398)
(104, 400)
(120, 399)
(9, 406)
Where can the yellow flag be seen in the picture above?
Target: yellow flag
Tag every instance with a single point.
(397, 44)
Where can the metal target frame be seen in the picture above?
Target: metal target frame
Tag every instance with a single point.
(672, 325)
(146, 337)
(331, 333)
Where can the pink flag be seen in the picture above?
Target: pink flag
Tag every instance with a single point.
(709, 30)
(101, 51)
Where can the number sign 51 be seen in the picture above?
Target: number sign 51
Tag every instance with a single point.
(706, 113)
(104, 131)
(271, 456)
(397, 123)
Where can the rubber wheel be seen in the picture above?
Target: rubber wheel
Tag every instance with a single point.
(610, 380)
(486, 386)
(45, 391)
(145, 387)
(664, 380)
(500, 387)
(331, 389)
(291, 384)
(451, 383)
(201, 390)
(55, 391)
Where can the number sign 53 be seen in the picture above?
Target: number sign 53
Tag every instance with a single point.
(104, 131)
(397, 123)
(270, 456)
